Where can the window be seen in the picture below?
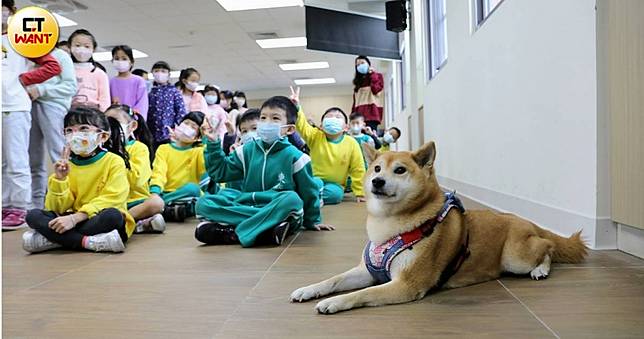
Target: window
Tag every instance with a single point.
(401, 83)
(484, 8)
(436, 21)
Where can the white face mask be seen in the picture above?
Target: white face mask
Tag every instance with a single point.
(239, 101)
(185, 133)
(83, 143)
(356, 129)
(161, 77)
(82, 54)
(121, 65)
(192, 85)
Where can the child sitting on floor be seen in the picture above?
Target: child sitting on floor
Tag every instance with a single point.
(334, 156)
(143, 207)
(85, 204)
(279, 193)
(178, 170)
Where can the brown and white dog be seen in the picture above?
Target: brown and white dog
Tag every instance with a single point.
(403, 194)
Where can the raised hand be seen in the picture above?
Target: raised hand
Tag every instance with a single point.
(208, 131)
(229, 127)
(61, 167)
(295, 95)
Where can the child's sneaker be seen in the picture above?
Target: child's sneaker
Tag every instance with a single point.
(34, 242)
(213, 233)
(175, 213)
(13, 218)
(155, 223)
(105, 242)
(280, 231)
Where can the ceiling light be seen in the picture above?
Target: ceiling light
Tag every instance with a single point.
(63, 21)
(282, 42)
(173, 74)
(106, 56)
(318, 81)
(304, 65)
(242, 5)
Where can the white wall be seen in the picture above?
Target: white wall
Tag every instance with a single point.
(514, 113)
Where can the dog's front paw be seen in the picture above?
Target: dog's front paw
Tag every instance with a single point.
(304, 294)
(332, 305)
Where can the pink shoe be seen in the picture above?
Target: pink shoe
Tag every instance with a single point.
(13, 218)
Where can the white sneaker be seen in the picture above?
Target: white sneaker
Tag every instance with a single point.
(34, 242)
(157, 223)
(106, 242)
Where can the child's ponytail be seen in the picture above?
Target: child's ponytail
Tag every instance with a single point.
(142, 133)
(116, 143)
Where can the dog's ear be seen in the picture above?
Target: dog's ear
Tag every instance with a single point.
(371, 154)
(425, 155)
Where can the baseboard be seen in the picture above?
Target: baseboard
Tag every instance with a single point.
(599, 233)
(630, 240)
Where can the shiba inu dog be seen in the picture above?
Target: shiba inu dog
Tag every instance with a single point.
(422, 239)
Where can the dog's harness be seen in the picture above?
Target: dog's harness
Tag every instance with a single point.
(378, 258)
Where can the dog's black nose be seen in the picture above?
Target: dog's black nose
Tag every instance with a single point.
(378, 182)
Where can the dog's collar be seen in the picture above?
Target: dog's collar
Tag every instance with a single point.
(378, 258)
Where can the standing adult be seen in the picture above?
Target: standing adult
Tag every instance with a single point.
(367, 92)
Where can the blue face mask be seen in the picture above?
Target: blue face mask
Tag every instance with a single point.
(333, 125)
(248, 136)
(211, 99)
(269, 132)
(363, 68)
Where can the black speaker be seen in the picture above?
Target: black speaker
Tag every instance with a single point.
(396, 15)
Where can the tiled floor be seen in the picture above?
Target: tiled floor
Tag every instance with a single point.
(168, 286)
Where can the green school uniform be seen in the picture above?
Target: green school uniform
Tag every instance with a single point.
(277, 184)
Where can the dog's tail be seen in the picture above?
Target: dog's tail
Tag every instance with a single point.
(567, 250)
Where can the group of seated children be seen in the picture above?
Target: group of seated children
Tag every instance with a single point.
(253, 185)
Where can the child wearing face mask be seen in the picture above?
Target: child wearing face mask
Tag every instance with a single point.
(390, 137)
(278, 192)
(227, 102)
(239, 98)
(357, 126)
(187, 85)
(335, 157)
(126, 88)
(146, 210)
(93, 83)
(85, 205)
(216, 115)
(167, 107)
(178, 171)
(16, 123)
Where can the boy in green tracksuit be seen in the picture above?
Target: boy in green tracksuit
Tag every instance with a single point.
(278, 191)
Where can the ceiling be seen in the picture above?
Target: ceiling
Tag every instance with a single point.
(220, 44)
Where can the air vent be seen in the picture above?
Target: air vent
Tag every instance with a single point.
(264, 35)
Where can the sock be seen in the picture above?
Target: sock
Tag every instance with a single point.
(88, 243)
